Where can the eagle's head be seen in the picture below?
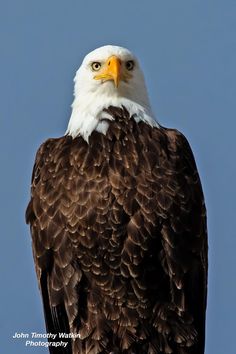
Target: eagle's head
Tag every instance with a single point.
(108, 76)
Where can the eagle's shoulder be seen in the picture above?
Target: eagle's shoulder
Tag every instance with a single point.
(175, 138)
(49, 152)
(46, 148)
(178, 146)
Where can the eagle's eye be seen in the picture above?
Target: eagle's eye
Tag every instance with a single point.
(96, 66)
(129, 65)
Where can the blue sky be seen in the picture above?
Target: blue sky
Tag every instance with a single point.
(187, 49)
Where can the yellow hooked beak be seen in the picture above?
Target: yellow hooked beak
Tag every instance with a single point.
(111, 71)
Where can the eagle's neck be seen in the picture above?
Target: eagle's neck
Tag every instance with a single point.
(88, 113)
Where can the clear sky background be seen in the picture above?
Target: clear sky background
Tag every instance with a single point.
(187, 49)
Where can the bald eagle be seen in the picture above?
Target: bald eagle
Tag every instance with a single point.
(118, 222)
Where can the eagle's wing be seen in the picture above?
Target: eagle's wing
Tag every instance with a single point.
(184, 237)
(52, 248)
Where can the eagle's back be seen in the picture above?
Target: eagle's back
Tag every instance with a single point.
(119, 240)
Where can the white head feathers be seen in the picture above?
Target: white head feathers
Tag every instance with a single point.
(93, 95)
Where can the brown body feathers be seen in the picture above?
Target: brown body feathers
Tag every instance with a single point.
(119, 240)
